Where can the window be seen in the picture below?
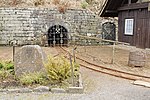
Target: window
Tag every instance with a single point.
(129, 26)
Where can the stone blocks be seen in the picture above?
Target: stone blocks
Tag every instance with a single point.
(21, 23)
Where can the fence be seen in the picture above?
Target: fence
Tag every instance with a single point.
(102, 51)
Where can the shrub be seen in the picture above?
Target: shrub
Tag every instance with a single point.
(58, 69)
(1, 65)
(33, 78)
(89, 1)
(8, 65)
(6, 69)
(4, 74)
(84, 5)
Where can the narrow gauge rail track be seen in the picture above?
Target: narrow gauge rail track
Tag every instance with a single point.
(106, 70)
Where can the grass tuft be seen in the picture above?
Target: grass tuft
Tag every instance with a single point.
(84, 5)
(33, 78)
(6, 69)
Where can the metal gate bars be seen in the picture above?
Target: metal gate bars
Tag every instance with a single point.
(57, 36)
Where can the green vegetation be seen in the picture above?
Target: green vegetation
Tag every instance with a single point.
(84, 5)
(6, 69)
(58, 73)
(58, 69)
(7, 65)
(33, 78)
(89, 1)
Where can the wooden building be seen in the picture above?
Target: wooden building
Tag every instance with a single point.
(133, 20)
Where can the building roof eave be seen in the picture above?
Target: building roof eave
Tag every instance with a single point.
(112, 6)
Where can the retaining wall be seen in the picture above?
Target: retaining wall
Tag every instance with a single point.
(25, 24)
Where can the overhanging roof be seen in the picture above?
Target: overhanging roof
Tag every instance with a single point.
(110, 7)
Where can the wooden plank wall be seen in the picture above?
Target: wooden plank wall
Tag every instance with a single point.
(141, 36)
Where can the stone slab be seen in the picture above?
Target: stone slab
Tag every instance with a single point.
(75, 90)
(29, 59)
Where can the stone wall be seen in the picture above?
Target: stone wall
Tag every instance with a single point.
(26, 24)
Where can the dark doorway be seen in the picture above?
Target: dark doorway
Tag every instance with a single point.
(109, 31)
(57, 36)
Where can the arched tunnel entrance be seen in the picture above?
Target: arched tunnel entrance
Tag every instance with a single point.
(57, 36)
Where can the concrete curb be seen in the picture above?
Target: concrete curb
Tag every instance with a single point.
(79, 89)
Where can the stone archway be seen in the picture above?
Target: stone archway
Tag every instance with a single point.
(57, 35)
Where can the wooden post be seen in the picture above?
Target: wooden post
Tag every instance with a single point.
(74, 56)
(113, 53)
(72, 70)
(13, 52)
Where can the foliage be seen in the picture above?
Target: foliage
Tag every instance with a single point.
(84, 5)
(4, 74)
(6, 69)
(58, 69)
(76, 69)
(1, 65)
(89, 1)
(58, 72)
(33, 78)
(7, 65)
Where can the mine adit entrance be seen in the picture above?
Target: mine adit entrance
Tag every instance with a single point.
(57, 36)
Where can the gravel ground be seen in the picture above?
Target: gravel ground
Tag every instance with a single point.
(97, 87)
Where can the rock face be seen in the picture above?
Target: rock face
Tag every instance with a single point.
(29, 59)
(137, 58)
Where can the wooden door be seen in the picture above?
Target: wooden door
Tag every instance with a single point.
(141, 32)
